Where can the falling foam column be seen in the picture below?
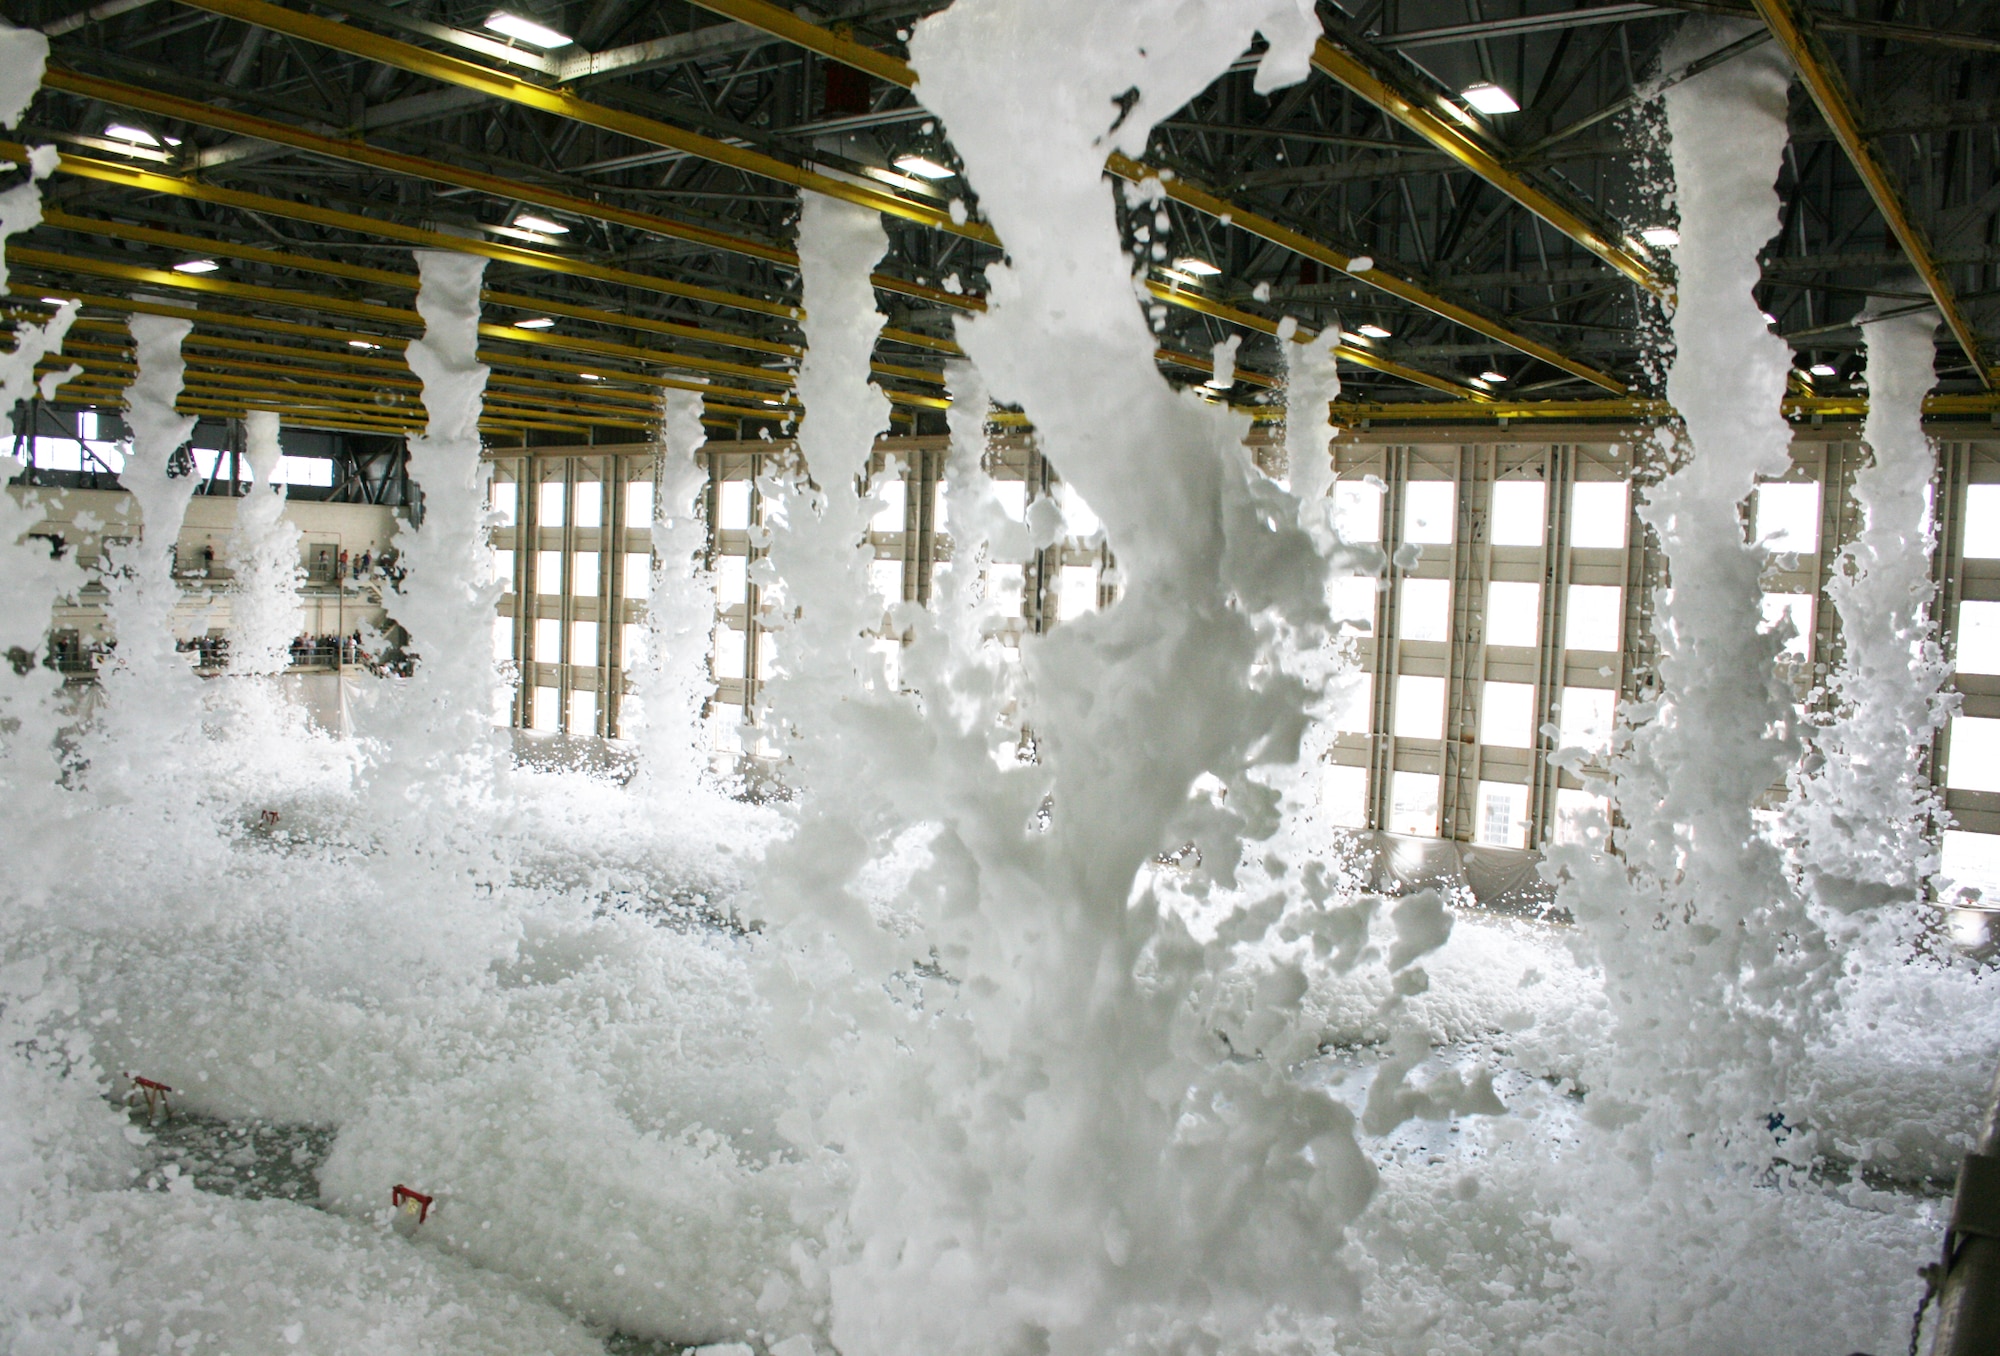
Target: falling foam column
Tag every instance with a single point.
(264, 607)
(1050, 1145)
(1862, 816)
(151, 696)
(672, 679)
(447, 596)
(34, 579)
(1708, 953)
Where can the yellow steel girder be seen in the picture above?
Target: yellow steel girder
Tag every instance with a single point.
(563, 104)
(1829, 91)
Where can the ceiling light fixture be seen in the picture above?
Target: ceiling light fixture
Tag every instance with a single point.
(1824, 370)
(542, 224)
(541, 322)
(1372, 331)
(55, 301)
(138, 136)
(527, 30)
(197, 266)
(1489, 98)
(590, 376)
(923, 167)
(361, 343)
(1493, 376)
(1660, 237)
(1200, 268)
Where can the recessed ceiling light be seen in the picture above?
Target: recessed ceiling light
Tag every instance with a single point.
(923, 167)
(1372, 331)
(1824, 370)
(196, 266)
(1660, 237)
(1200, 268)
(590, 376)
(1489, 98)
(541, 322)
(361, 343)
(1493, 376)
(542, 224)
(527, 30)
(138, 136)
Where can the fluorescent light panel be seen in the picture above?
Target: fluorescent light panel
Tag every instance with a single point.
(1372, 331)
(197, 266)
(1489, 98)
(1200, 268)
(542, 224)
(138, 136)
(526, 30)
(1824, 370)
(541, 322)
(1660, 237)
(923, 167)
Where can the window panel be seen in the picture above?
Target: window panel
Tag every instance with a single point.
(503, 568)
(1586, 718)
(544, 708)
(1520, 513)
(1343, 795)
(1982, 522)
(1502, 815)
(1785, 517)
(1513, 613)
(1979, 637)
(589, 503)
(548, 640)
(1972, 861)
(1428, 507)
(583, 643)
(631, 646)
(885, 578)
(500, 498)
(767, 655)
(503, 639)
(1974, 754)
(1596, 619)
(548, 572)
(1012, 496)
(1581, 816)
(1078, 591)
(1424, 612)
(732, 505)
(1413, 804)
(582, 711)
(1357, 510)
(639, 504)
(1003, 588)
(1353, 600)
(732, 581)
(1597, 514)
(1351, 703)
(550, 511)
(1419, 707)
(1797, 608)
(728, 652)
(638, 574)
(1507, 715)
(583, 575)
(888, 518)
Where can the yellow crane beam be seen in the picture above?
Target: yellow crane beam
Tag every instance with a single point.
(147, 181)
(1829, 92)
(561, 103)
(1452, 130)
(358, 152)
(203, 245)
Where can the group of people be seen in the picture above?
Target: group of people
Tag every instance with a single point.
(326, 652)
(327, 565)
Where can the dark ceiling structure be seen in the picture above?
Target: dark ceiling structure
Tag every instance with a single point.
(632, 171)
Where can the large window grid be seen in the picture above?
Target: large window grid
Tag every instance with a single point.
(1465, 758)
(575, 544)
